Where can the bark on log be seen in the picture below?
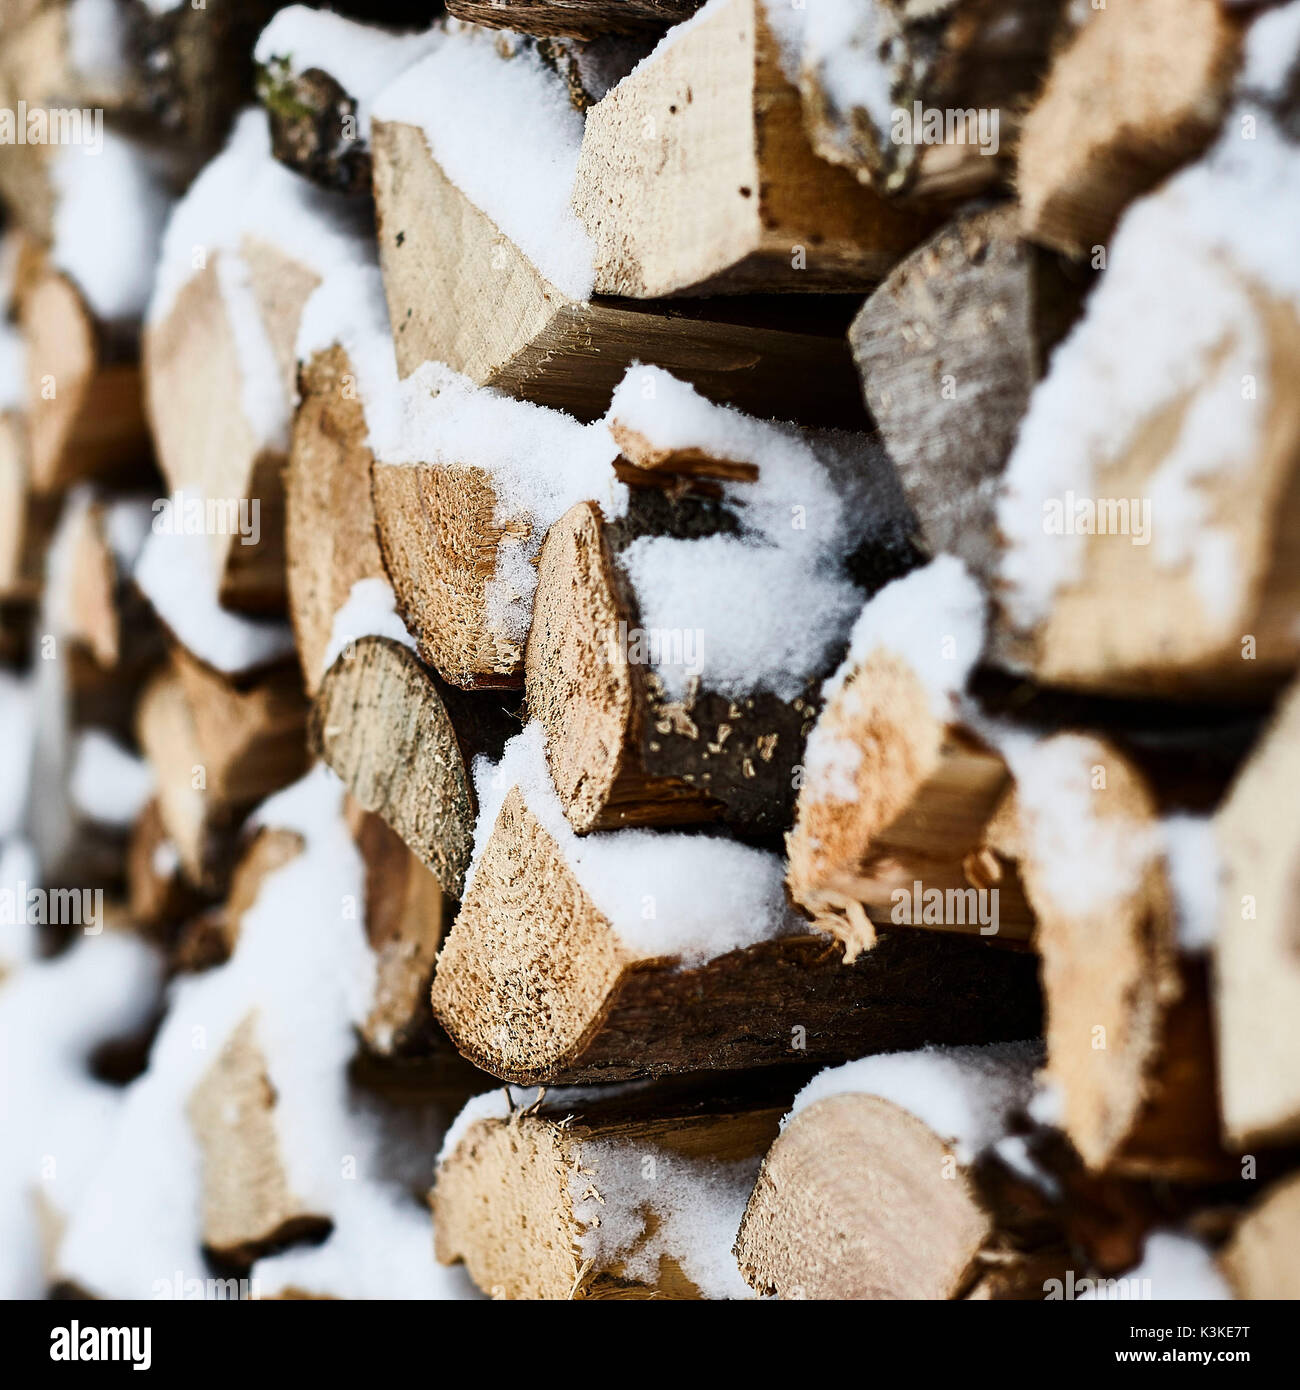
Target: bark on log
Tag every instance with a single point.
(954, 60)
(404, 743)
(502, 324)
(696, 177)
(536, 985)
(578, 18)
(330, 527)
(556, 1196)
(949, 350)
(1257, 976)
(1140, 89)
(922, 803)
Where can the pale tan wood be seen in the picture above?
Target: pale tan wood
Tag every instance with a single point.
(1257, 972)
(535, 985)
(1139, 90)
(460, 292)
(248, 1206)
(925, 794)
(331, 541)
(696, 176)
(193, 382)
(1128, 1030)
(86, 419)
(508, 1197)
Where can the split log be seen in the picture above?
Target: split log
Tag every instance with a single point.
(27, 520)
(207, 446)
(85, 415)
(1140, 89)
(200, 826)
(330, 528)
(868, 1195)
(579, 18)
(317, 73)
(248, 1206)
(250, 734)
(1257, 978)
(405, 917)
(1145, 499)
(575, 961)
(696, 177)
(158, 896)
(514, 304)
(562, 1195)
(949, 350)
(906, 96)
(903, 803)
(1130, 1058)
(1260, 1260)
(403, 743)
(621, 750)
(647, 721)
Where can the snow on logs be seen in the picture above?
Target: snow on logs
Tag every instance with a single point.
(637, 953)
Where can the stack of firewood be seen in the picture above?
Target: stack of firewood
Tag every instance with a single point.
(666, 628)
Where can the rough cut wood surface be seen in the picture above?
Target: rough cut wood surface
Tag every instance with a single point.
(404, 744)
(535, 985)
(503, 324)
(696, 175)
(507, 1197)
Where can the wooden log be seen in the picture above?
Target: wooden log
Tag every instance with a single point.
(608, 967)
(642, 727)
(405, 918)
(1260, 1259)
(404, 743)
(27, 520)
(579, 18)
(331, 540)
(201, 827)
(872, 1193)
(1145, 499)
(949, 350)
(317, 73)
(902, 800)
(1130, 1059)
(920, 100)
(1257, 981)
(696, 176)
(207, 447)
(86, 418)
(250, 736)
(1140, 89)
(561, 1195)
(529, 325)
(248, 1207)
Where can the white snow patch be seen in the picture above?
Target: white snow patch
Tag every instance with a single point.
(1179, 1267)
(502, 128)
(109, 783)
(370, 610)
(966, 1095)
